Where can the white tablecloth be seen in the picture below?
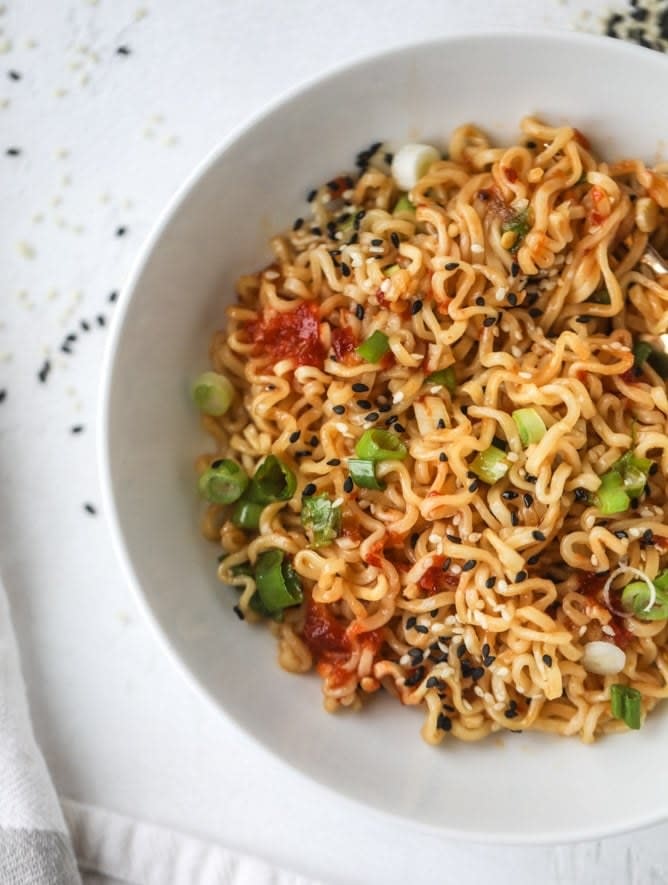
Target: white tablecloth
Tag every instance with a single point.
(105, 105)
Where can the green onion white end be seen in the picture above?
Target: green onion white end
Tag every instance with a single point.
(411, 162)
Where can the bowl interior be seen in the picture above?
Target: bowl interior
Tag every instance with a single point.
(517, 786)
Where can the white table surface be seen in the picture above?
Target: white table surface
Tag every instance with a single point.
(104, 139)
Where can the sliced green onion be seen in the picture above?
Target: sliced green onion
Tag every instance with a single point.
(625, 704)
(611, 497)
(375, 347)
(390, 269)
(530, 425)
(490, 465)
(212, 393)
(277, 582)
(272, 481)
(445, 377)
(380, 445)
(363, 473)
(403, 204)
(634, 472)
(658, 360)
(636, 597)
(321, 518)
(246, 514)
(224, 482)
(520, 225)
(641, 350)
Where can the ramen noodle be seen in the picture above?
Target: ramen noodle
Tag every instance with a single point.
(441, 436)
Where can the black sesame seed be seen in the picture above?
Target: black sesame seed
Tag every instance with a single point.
(391, 420)
(338, 410)
(345, 270)
(521, 576)
(452, 265)
(313, 442)
(444, 722)
(294, 436)
(477, 672)
(442, 457)
(480, 301)
(535, 312)
(333, 462)
(298, 222)
(461, 650)
(468, 565)
(112, 296)
(123, 50)
(441, 424)
(531, 299)
(420, 628)
(388, 157)
(309, 490)
(485, 650)
(621, 534)
(532, 560)
(14, 75)
(415, 678)
(13, 152)
(437, 655)
(488, 321)
(512, 299)
(85, 326)
(100, 319)
(473, 487)
(364, 403)
(316, 231)
(43, 373)
(348, 485)
(489, 660)
(653, 469)
(399, 428)
(434, 682)
(581, 494)
(3, 395)
(514, 518)
(372, 416)
(384, 407)
(547, 660)
(467, 669)
(65, 348)
(411, 622)
(454, 539)
(237, 611)
(394, 237)
(511, 713)
(311, 195)
(303, 453)
(416, 307)
(90, 509)
(514, 270)
(416, 655)
(528, 499)
(377, 241)
(531, 145)
(490, 582)
(538, 535)
(121, 231)
(359, 312)
(509, 495)
(583, 319)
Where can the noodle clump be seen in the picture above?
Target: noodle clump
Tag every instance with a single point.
(496, 327)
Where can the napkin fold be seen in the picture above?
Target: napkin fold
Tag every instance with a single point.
(35, 848)
(39, 845)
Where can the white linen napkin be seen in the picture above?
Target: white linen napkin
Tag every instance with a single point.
(36, 847)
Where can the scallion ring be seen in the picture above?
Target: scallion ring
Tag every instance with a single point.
(212, 393)
(625, 704)
(224, 482)
(530, 426)
(375, 347)
(272, 481)
(363, 473)
(380, 445)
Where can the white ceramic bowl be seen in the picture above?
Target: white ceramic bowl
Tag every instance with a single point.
(517, 787)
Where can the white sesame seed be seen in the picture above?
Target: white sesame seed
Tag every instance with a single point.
(478, 691)
(589, 521)
(341, 427)
(398, 396)
(271, 274)
(477, 248)
(385, 285)
(434, 539)
(337, 502)
(525, 375)
(436, 389)
(512, 456)
(435, 628)
(500, 294)
(405, 661)
(516, 351)
(455, 569)
(582, 630)
(474, 537)
(607, 629)
(466, 706)
(594, 560)
(635, 532)
(502, 586)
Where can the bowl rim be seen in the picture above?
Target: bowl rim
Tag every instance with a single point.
(105, 456)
